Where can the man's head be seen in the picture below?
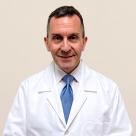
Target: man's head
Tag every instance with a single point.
(65, 37)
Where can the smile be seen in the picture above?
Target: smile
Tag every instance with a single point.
(66, 56)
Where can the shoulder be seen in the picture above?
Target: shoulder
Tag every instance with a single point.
(103, 85)
(99, 79)
(39, 78)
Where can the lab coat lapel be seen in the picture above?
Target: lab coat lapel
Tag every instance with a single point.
(53, 97)
(55, 103)
(86, 86)
(78, 104)
(54, 100)
(76, 107)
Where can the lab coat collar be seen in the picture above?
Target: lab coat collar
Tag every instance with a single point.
(49, 77)
(54, 99)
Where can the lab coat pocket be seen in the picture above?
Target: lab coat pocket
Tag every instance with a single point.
(93, 128)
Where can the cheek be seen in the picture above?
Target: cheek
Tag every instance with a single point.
(79, 49)
(53, 48)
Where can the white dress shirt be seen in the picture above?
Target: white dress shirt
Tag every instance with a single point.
(59, 74)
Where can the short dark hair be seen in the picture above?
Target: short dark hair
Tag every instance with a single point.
(65, 11)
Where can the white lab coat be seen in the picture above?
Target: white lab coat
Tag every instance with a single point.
(97, 110)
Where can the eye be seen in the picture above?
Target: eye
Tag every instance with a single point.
(73, 38)
(57, 38)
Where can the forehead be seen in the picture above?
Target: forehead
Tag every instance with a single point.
(67, 24)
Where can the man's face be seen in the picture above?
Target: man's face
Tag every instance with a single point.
(65, 41)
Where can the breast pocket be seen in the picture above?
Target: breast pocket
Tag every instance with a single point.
(92, 128)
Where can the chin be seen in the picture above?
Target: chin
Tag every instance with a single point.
(67, 68)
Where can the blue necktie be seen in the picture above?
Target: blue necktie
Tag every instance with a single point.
(67, 96)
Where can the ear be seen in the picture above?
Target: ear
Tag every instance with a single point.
(84, 42)
(46, 43)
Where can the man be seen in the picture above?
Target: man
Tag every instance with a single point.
(67, 98)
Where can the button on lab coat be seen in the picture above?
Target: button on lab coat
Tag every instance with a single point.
(97, 110)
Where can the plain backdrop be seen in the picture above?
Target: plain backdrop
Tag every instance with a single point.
(111, 48)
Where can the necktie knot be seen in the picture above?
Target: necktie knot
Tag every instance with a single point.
(68, 79)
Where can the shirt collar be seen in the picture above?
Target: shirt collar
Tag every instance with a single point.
(59, 74)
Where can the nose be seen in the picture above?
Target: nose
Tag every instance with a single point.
(65, 45)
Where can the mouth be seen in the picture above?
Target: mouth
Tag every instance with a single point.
(65, 57)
